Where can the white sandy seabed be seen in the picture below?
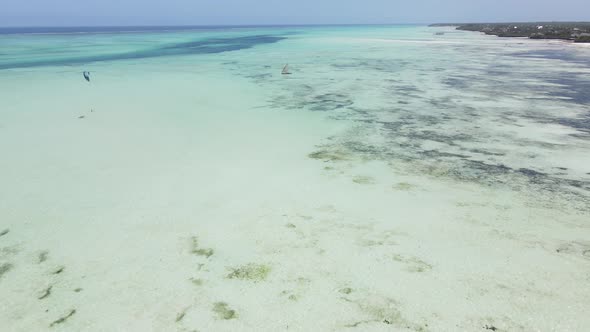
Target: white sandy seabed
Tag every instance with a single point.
(180, 204)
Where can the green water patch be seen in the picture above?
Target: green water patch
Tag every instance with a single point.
(197, 281)
(383, 310)
(403, 186)
(372, 243)
(290, 295)
(223, 311)
(331, 155)
(413, 264)
(361, 179)
(251, 272)
(197, 250)
(346, 290)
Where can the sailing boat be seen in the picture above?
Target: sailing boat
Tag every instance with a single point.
(286, 70)
(86, 75)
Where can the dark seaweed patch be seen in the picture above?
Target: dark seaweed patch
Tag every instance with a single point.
(429, 135)
(223, 311)
(554, 54)
(329, 102)
(582, 124)
(434, 134)
(439, 154)
(380, 65)
(573, 87)
(499, 173)
(362, 148)
(205, 46)
(42, 256)
(530, 172)
(492, 169)
(393, 125)
(407, 88)
(532, 175)
(58, 270)
(4, 268)
(46, 292)
(457, 82)
(549, 84)
(485, 152)
(346, 65)
(259, 76)
(61, 320)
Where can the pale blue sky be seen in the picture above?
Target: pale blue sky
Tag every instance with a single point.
(228, 12)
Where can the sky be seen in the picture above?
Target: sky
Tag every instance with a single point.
(262, 12)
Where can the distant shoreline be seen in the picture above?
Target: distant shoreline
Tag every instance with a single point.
(578, 32)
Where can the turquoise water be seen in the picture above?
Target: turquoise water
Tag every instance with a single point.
(396, 179)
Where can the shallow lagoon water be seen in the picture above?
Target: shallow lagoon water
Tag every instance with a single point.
(397, 180)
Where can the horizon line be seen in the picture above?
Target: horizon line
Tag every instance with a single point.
(203, 25)
(269, 25)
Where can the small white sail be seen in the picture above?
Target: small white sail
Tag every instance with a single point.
(286, 70)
